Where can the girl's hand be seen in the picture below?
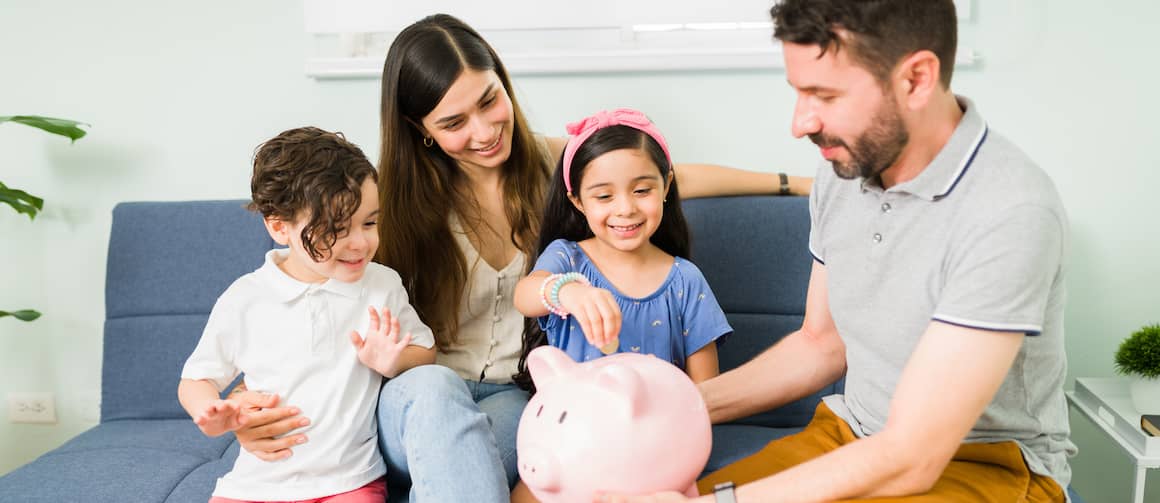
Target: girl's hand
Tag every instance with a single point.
(262, 426)
(595, 310)
(218, 417)
(382, 347)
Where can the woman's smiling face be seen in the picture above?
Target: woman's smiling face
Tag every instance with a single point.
(473, 122)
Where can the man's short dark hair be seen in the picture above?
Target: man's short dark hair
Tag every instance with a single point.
(311, 173)
(878, 33)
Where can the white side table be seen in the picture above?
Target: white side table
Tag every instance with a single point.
(1106, 403)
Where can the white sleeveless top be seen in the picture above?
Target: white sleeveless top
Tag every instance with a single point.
(490, 327)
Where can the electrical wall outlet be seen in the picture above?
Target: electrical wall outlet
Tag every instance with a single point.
(31, 408)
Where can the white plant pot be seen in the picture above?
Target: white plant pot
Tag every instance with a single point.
(1145, 395)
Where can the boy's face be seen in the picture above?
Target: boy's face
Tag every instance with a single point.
(347, 260)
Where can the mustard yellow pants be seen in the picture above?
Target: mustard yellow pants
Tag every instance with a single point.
(977, 473)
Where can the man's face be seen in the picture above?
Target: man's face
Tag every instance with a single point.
(844, 111)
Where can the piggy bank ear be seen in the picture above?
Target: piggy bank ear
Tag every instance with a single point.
(545, 363)
(623, 382)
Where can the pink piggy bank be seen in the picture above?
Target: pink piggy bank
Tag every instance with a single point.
(625, 423)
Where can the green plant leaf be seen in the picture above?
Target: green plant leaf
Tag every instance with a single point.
(21, 201)
(22, 315)
(1139, 354)
(63, 127)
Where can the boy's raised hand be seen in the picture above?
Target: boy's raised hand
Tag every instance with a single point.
(218, 417)
(381, 349)
(595, 310)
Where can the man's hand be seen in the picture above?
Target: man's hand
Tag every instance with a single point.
(262, 426)
(382, 347)
(218, 417)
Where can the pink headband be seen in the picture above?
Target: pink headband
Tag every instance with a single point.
(588, 126)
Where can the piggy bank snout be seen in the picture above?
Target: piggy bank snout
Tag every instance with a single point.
(539, 468)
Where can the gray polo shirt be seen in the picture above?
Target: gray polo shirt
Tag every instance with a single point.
(977, 240)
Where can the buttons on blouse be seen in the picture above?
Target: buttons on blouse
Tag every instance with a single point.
(886, 208)
(877, 237)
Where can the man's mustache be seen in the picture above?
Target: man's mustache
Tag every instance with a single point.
(825, 141)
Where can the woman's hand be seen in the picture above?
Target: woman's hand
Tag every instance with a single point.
(382, 347)
(596, 312)
(262, 425)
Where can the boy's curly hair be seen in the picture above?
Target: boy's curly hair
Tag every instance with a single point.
(314, 174)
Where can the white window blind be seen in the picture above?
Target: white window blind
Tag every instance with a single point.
(350, 38)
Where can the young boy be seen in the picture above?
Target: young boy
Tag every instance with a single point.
(293, 326)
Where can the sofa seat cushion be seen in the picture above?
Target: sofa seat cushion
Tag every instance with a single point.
(171, 435)
(106, 474)
(732, 442)
(154, 460)
(198, 486)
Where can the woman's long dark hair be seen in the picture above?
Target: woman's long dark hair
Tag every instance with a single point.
(420, 186)
(563, 221)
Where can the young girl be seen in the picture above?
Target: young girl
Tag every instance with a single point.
(610, 276)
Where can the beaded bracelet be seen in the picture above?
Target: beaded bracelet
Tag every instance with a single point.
(552, 309)
(550, 296)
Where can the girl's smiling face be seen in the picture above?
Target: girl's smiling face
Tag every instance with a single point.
(622, 196)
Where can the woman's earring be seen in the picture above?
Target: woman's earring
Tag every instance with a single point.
(428, 141)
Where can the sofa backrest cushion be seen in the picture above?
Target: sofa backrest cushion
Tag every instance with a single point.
(168, 263)
(754, 251)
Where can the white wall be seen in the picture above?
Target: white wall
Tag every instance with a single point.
(178, 95)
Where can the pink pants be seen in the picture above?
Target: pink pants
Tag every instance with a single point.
(375, 492)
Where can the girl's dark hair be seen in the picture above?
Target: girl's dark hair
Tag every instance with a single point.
(420, 186)
(310, 172)
(563, 221)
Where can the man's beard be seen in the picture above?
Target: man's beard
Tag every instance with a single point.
(873, 151)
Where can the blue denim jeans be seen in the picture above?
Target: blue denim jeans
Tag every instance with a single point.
(435, 439)
(504, 405)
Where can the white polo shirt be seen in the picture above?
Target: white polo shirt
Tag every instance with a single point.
(490, 335)
(291, 338)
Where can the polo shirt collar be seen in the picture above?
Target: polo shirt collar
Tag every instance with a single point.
(286, 288)
(943, 174)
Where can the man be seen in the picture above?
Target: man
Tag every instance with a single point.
(937, 286)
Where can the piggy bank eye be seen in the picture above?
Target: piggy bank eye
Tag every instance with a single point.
(541, 409)
(562, 416)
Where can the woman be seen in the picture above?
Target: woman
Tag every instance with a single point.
(462, 184)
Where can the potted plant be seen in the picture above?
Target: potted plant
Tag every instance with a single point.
(24, 202)
(1139, 358)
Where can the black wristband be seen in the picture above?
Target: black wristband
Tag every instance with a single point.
(723, 493)
(784, 189)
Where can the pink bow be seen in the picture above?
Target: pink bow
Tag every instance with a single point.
(586, 127)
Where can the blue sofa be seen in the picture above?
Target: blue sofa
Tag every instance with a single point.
(168, 262)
